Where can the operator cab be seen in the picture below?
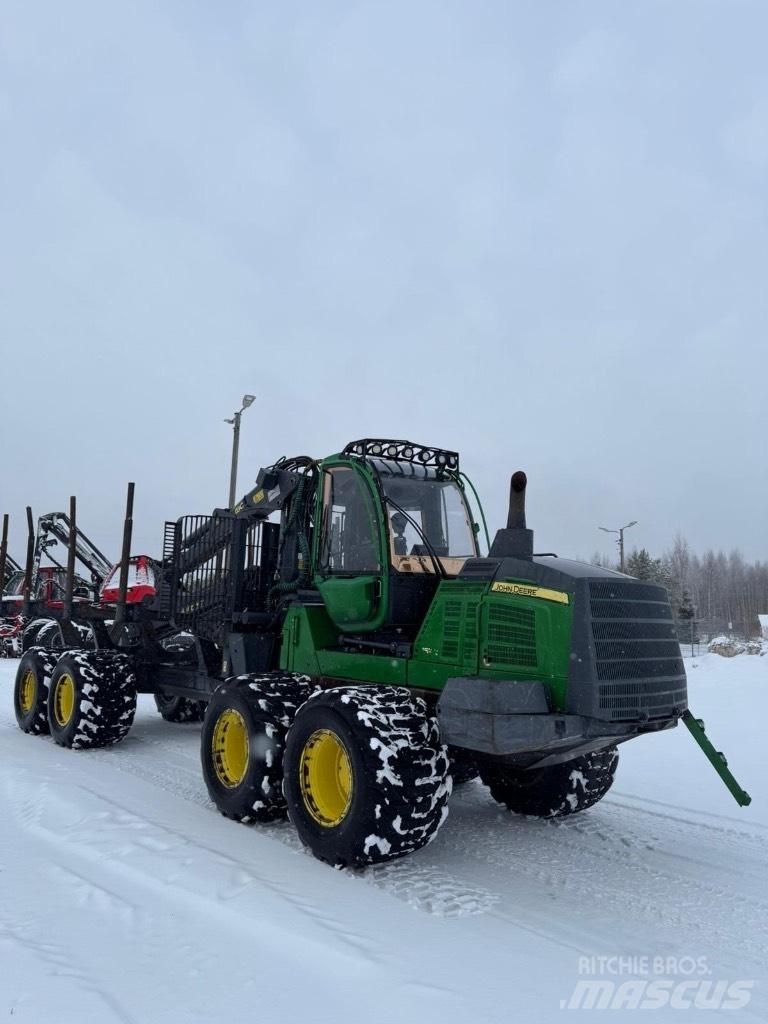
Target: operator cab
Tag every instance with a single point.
(50, 589)
(13, 594)
(14, 585)
(393, 522)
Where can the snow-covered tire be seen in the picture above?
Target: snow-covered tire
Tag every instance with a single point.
(554, 791)
(47, 633)
(30, 692)
(87, 635)
(91, 699)
(179, 709)
(30, 634)
(50, 637)
(249, 716)
(366, 776)
(279, 694)
(463, 766)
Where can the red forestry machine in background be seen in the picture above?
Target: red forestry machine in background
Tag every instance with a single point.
(52, 605)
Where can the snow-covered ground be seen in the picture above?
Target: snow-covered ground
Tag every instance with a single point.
(124, 897)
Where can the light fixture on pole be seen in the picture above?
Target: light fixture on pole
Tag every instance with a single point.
(248, 400)
(620, 541)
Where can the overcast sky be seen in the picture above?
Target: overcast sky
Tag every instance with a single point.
(534, 232)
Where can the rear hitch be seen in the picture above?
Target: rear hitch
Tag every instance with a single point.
(716, 758)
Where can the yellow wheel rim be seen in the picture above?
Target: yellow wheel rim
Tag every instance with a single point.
(28, 692)
(230, 748)
(326, 778)
(64, 699)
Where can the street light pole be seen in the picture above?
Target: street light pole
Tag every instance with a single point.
(620, 541)
(621, 547)
(235, 456)
(235, 421)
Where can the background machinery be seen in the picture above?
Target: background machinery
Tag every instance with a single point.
(36, 607)
(12, 568)
(11, 577)
(355, 651)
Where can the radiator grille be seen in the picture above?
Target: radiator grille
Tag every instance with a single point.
(460, 632)
(511, 636)
(452, 629)
(630, 610)
(637, 655)
(636, 650)
(469, 641)
(621, 589)
(628, 700)
(618, 629)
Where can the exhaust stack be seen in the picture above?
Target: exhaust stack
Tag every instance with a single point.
(516, 540)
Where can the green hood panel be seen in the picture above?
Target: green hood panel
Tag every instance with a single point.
(472, 630)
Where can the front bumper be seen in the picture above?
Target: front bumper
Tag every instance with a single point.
(512, 719)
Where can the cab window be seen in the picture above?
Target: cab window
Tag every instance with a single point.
(349, 542)
(15, 585)
(428, 513)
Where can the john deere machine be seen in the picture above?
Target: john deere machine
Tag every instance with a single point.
(355, 651)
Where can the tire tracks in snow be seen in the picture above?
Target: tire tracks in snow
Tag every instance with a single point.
(109, 850)
(428, 889)
(602, 859)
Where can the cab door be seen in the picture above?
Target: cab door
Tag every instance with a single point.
(349, 556)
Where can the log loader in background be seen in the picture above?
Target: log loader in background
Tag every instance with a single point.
(355, 650)
(46, 602)
(35, 598)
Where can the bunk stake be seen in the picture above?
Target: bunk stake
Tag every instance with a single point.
(125, 556)
(71, 554)
(30, 559)
(3, 553)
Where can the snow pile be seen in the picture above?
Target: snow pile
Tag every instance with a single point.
(726, 646)
(729, 647)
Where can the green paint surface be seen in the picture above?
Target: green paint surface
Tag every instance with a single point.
(467, 631)
(471, 631)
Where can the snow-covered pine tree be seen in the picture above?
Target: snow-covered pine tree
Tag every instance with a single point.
(685, 608)
(642, 566)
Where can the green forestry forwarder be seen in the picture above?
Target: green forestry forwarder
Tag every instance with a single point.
(353, 655)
